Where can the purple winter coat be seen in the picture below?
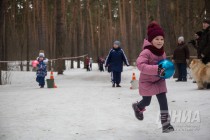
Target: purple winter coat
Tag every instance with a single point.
(149, 81)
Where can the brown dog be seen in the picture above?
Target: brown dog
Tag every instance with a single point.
(200, 73)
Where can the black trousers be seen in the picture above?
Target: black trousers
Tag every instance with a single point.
(182, 71)
(162, 100)
(116, 77)
(40, 80)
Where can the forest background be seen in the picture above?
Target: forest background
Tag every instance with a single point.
(68, 28)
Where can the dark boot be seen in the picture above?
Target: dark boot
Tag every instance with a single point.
(184, 79)
(113, 85)
(168, 129)
(118, 85)
(138, 112)
(165, 121)
(178, 80)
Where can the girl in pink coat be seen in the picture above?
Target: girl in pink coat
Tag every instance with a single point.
(150, 82)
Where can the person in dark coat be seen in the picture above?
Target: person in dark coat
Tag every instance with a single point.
(41, 71)
(114, 62)
(101, 64)
(196, 43)
(205, 42)
(181, 58)
(87, 63)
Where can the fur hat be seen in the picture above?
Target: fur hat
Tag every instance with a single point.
(154, 30)
(206, 21)
(117, 43)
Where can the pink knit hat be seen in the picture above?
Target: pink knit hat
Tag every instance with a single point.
(154, 30)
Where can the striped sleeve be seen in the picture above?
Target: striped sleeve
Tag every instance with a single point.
(125, 59)
(108, 58)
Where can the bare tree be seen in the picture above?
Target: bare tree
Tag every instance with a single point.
(60, 33)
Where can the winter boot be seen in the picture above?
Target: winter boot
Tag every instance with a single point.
(168, 129)
(178, 80)
(113, 85)
(165, 121)
(118, 85)
(184, 79)
(138, 112)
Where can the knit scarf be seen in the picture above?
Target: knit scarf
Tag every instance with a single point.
(154, 50)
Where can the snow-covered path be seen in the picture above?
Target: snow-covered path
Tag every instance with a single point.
(86, 107)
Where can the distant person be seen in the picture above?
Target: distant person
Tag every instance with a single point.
(41, 71)
(150, 82)
(181, 58)
(101, 64)
(196, 43)
(114, 62)
(87, 63)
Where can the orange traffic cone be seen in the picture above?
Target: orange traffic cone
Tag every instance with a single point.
(52, 77)
(133, 76)
(134, 82)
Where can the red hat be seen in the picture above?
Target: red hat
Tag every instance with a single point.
(154, 30)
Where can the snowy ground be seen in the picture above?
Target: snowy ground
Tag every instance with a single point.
(86, 107)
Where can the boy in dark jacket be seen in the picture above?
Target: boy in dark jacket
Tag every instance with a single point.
(114, 61)
(41, 71)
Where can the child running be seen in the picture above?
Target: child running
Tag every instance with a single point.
(149, 82)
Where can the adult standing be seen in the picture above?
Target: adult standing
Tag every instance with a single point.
(181, 58)
(114, 61)
(205, 44)
(205, 41)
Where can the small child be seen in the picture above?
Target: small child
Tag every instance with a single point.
(41, 71)
(150, 82)
(101, 64)
(87, 63)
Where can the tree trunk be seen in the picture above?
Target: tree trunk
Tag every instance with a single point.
(2, 20)
(92, 46)
(60, 34)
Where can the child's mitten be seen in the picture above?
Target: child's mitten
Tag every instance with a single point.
(161, 70)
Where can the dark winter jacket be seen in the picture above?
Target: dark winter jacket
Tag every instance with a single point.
(205, 42)
(196, 44)
(41, 69)
(181, 53)
(87, 61)
(115, 60)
